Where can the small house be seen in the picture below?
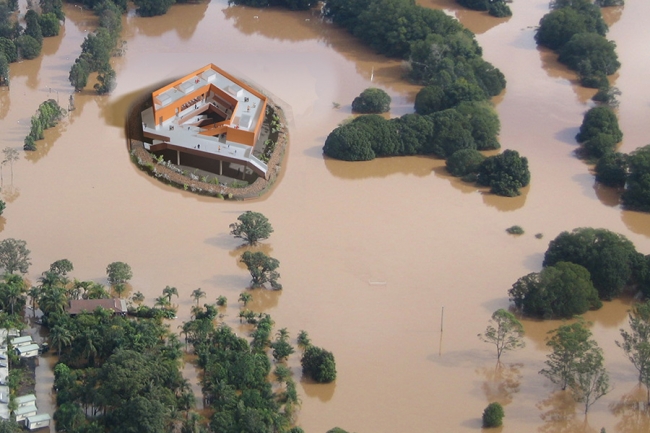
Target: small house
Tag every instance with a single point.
(29, 351)
(22, 341)
(23, 412)
(37, 421)
(25, 400)
(78, 306)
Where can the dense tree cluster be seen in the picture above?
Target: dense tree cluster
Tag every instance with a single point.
(611, 259)
(496, 8)
(371, 100)
(236, 375)
(318, 364)
(117, 374)
(17, 42)
(560, 291)
(97, 49)
(576, 31)
(599, 132)
(505, 174)
(48, 115)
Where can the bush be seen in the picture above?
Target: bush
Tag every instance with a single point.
(371, 100)
(493, 415)
(515, 230)
(505, 174)
(318, 364)
(463, 162)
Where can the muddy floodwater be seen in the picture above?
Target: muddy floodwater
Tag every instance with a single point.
(369, 252)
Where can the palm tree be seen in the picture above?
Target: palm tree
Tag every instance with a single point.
(60, 337)
(14, 287)
(245, 298)
(89, 348)
(198, 294)
(169, 291)
(53, 300)
(34, 293)
(161, 301)
(282, 334)
(49, 279)
(96, 291)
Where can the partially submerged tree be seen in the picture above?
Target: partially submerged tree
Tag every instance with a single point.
(118, 273)
(14, 256)
(262, 269)
(504, 331)
(636, 342)
(318, 364)
(252, 227)
(371, 100)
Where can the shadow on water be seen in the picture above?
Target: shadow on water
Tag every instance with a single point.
(323, 391)
(465, 187)
(638, 222)
(419, 166)
(506, 204)
(555, 69)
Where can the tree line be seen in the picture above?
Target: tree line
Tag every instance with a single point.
(496, 8)
(18, 43)
(576, 31)
(48, 115)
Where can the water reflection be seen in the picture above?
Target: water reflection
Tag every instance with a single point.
(505, 204)
(261, 247)
(478, 22)
(43, 146)
(5, 102)
(440, 171)
(29, 69)
(559, 415)
(264, 299)
(181, 18)
(419, 166)
(611, 15)
(322, 391)
(638, 222)
(277, 24)
(501, 382)
(10, 193)
(607, 195)
(632, 411)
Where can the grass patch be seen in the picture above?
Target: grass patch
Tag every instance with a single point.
(515, 230)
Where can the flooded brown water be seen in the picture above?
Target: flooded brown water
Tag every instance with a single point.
(370, 252)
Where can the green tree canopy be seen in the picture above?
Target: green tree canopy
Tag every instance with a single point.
(14, 256)
(252, 227)
(493, 415)
(49, 23)
(262, 269)
(636, 342)
(637, 191)
(611, 169)
(590, 54)
(599, 120)
(610, 258)
(558, 27)
(559, 291)
(28, 47)
(318, 364)
(505, 174)
(452, 132)
(350, 142)
(484, 121)
(151, 8)
(118, 273)
(372, 100)
(569, 343)
(464, 162)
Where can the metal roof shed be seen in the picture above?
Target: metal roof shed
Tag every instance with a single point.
(37, 421)
(25, 400)
(28, 351)
(23, 412)
(22, 341)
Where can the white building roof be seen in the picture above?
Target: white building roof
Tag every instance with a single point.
(22, 341)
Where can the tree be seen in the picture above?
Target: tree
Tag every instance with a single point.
(281, 347)
(484, 122)
(8, 47)
(350, 142)
(151, 8)
(591, 378)
(464, 162)
(245, 298)
(138, 298)
(198, 294)
(262, 269)
(452, 132)
(9, 426)
(79, 73)
(372, 100)
(598, 121)
(60, 337)
(105, 80)
(385, 133)
(610, 258)
(611, 169)
(222, 301)
(569, 343)
(636, 342)
(61, 267)
(120, 289)
(33, 26)
(4, 69)
(559, 26)
(599, 145)
(493, 415)
(49, 23)
(637, 190)
(505, 174)
(504, 331)
(252, 227)
(303, 340)
(318, 364)
(169, 292)
(118, 273)
(590, 54)
(562, 290)
(14, 256)
(28, 47)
